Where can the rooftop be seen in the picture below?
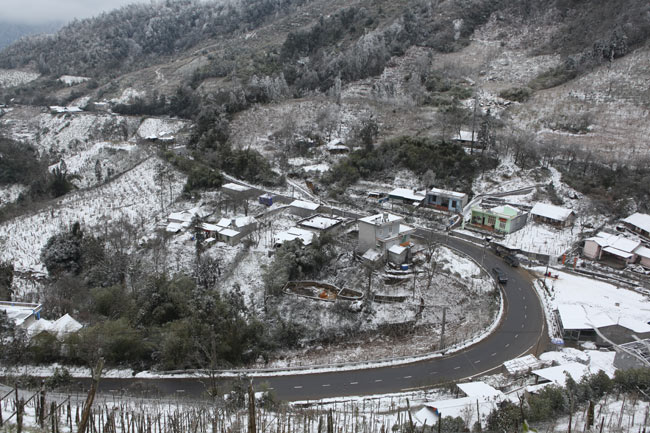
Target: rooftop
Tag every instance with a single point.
(381, 218)
(304, 204)
(408, 194)
(558, 373)
(639, 220)
(236, 187)
(556, 213)
(320, 222)
(446, 192)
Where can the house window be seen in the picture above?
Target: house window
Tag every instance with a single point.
(390, 229)
(502, 225)
(453, 204)
(381, 232)
(491, 220)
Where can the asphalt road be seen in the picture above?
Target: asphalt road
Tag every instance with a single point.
(521, 331)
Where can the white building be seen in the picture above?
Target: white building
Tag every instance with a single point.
(554, 215)
(618, 247)
(383, 231)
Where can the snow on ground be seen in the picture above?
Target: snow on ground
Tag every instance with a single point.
(155, 127)
(128, 95)
(133, 196)
(14, 77)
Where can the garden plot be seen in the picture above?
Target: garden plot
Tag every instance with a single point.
(133, 196)
(156, 127)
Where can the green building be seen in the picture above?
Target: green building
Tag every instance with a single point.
(501, 219)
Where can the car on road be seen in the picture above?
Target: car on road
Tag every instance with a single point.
(511, 260)
(501, 276)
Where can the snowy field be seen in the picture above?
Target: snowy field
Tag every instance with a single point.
(14, 77)
(132, 196)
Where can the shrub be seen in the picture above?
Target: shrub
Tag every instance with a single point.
(517, 94)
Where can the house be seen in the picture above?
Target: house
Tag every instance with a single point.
(266, 199)
(210, 230)
(229, 236)
(182, 220)
(241, 224)
(465, 137)
(303, 208)
(23, 314)
(320, 223)
(383, 231)
(446, 200)
(59, 328)
(398, 254)
(57, 109)
(638, 223)
(605, 245)
(237, 192)
(558, 375)
(336, 147)
(554, 215)
(305, 236)
(406, 196)
(579, 323)
(500, 219)
(644, 256)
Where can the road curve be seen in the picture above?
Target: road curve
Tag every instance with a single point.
(521, 330)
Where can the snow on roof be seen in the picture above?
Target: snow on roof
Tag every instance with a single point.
(320, 222)
(506, 210)
(556, 213)
(408, 194)
(558, 373)
(337, 144)
(224, 222)
(381, 218)
(575, 316)
(618, 252)
(396, 249)
(235, 187)
(523, 364)
(403, 229)
(210, 227)
(478, 389)
(18, 312)
(228, 233)
(42, 325)
(174, 227)
(624, 244)
(465, 136)
(446, 192)
(295, 233)
(244, 221)
(639, 220)
(643, 252)
(304, 204)
(65, 325)
(586, 317)
(372, 254)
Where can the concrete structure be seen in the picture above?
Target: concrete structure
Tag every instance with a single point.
(639, 223)
(553, 215)
(446, 200)
(336, 147)
(320, 223)
(465, 137)
(618, 248)
(635, 354)
(407, 196)
(237, 192)
(241, 224)
(501, 219)
(303, 208)
(383, 231)
(23, 314)
(305, 236)
(644, 256)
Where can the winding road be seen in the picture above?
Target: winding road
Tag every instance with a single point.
(520, 331)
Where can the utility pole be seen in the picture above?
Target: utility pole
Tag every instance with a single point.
(442, 330)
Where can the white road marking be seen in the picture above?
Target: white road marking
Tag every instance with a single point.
(494, 354)
(326, 384)
(508, 345)
(407, 377)
(476, 362)
(433, 372)
(378, 380)
(522, 325)
(354, 383)
(516, 335)
(457, 368)
(525, 316)
(298, 387)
